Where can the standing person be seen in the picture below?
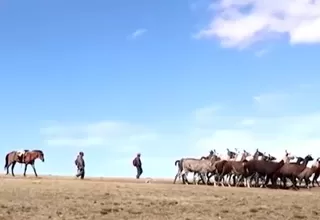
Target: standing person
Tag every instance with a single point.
(137, 163)
(80, 165)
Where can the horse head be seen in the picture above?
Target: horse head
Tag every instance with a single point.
(271, 158)
(308, 158)
(246, 153)
(38, 154)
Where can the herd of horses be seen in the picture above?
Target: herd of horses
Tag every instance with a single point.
(233, 169)
(242, 168)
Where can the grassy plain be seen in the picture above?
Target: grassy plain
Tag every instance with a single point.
(106, 198)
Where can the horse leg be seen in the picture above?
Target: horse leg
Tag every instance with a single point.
(194, 179)
(177, 175)
(264, 180)
(234, 180)
(209, 175)
(200, 178)
(250, 179)
(9, 164)
(315, 179)
(294, 183)
(284, 180)
(221, 179)
(204, 178)
(264, 184)
(241, 179)
(34, 169)
(228, 179)
(12, 167)
(214, 181)
(246, 180)
(307, 181)
(184, 175)
(25, 169)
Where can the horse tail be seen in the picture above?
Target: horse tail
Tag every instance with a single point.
(179, 163)
(6, 161)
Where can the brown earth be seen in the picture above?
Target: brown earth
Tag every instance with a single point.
(107, 198)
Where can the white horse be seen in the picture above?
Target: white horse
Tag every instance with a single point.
(230, 155)
(245, 155)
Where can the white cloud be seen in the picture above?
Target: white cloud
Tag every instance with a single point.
(79, 142)
(285, 127)
(261, 53)
(118, 136)
(240, 23)
(298, 134)
(138, 33)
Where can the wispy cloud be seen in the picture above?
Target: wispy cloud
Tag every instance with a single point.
(113, 135)
(138, 33)
(272, 134)
(294, 130)
(261, 53)
(300, 20)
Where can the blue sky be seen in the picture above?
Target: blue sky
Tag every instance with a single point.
(167, 79)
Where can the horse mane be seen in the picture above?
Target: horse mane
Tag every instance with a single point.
(38, 151)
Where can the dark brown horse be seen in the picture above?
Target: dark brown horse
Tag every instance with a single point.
(29, 158)
(263, 168)
(292, 171)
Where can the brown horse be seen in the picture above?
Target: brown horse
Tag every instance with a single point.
(29, 158)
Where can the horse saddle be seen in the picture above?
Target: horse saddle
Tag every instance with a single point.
(23, 156)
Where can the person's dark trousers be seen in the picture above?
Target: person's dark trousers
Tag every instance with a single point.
(80, 173)
(139, 172)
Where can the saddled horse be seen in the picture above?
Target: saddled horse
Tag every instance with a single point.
(29, 158)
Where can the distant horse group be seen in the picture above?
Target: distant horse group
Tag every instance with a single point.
(27, 158)
(241, 168)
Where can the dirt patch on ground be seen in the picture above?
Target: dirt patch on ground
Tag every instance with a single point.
(63, 198)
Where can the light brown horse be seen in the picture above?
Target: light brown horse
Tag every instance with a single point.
(29, 158)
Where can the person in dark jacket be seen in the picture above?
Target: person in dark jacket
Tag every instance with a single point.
(137, 163)
(80, 165)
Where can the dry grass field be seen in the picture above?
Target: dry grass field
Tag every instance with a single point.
(67, 198)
